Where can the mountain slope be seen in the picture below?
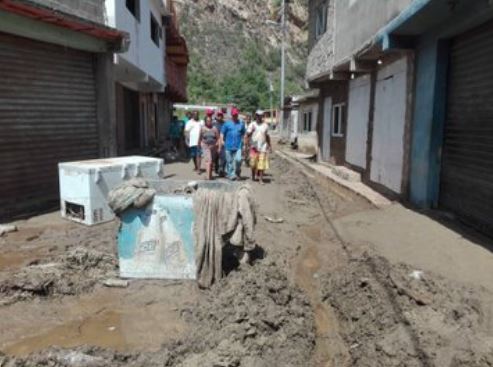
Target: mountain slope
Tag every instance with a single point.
(234, 49)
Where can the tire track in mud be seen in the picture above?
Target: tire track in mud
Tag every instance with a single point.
(330, 349)
(374, 272)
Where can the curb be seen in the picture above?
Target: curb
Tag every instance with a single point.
(358, 188)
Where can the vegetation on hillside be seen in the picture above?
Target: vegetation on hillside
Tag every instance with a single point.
(248, 85)
(232, 59)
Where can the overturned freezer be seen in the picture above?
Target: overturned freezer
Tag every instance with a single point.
(157, 242)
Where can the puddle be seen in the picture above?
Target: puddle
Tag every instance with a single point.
(106, 322)
(103, 330)
(329, 349)
(19, 259)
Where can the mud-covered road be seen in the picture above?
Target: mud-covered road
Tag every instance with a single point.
(310, 299)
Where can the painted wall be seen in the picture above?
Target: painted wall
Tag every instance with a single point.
(333, 148)
(389, 126)
(358, 116)
(313, 108)
(357, 21)
(92, 10)
(143, 53)
(430, 103)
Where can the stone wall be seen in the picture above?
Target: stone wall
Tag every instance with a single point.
(92, 10)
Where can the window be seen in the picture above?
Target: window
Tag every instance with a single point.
(321, 20)
(133, 7)
(338, 116)
(155, 30)
(307, 121)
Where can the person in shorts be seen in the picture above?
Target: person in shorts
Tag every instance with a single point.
(258, 136)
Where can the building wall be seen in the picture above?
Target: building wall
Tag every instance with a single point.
(143, 53)
(310, 107)
(357, 21)
(429, 110)
(338, 92)
(358, 118)
(350, 24)
(321, 56)
(92, 10)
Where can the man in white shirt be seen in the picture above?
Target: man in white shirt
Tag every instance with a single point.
(192, 131)
(258, 133)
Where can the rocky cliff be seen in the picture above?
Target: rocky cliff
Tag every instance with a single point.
(228, 39)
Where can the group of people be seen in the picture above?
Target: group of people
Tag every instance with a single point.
(221, 146)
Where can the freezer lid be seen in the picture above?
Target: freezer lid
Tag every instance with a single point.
(113, 164)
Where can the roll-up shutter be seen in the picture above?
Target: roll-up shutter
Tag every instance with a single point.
(467, 162)
(47, 115)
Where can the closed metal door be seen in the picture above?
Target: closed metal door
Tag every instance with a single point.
(47, 116)
(466, 186)
(389, 123)
(327, 129)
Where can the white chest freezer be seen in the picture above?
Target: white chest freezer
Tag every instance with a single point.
(84, 185)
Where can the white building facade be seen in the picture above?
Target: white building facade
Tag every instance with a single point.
(140, 73)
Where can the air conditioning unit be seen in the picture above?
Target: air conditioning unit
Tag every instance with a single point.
(84, 185)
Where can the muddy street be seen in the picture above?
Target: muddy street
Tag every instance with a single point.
(310, 298)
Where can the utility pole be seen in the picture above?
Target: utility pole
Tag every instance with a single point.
(283, 62)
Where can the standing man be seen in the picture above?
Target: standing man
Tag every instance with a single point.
(176, 133)
(246, 157)
(232, 135)
(186, 118)
(258, 134)
(192, 131)
(220, 163)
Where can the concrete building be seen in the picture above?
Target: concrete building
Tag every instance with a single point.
(149, 77)
(301, 115)
(56, 68)
(415, 77)
(351, 88)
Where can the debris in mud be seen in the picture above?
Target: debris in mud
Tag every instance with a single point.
(72, 273)
(390, 318)
(4, 229)
(275, 220)
(252, 318)
(115, 283)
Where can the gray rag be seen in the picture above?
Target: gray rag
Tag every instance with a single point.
(221, 217)
(132, 193)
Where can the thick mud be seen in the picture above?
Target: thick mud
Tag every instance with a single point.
(254, 317)
(308, 300)
(394, 315)
(75, 272)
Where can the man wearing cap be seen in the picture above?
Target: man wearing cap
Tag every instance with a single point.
(220, 163)
(232, 134)
(260, 146)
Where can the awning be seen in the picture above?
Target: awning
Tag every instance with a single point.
(431, 16)
(29, 9)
